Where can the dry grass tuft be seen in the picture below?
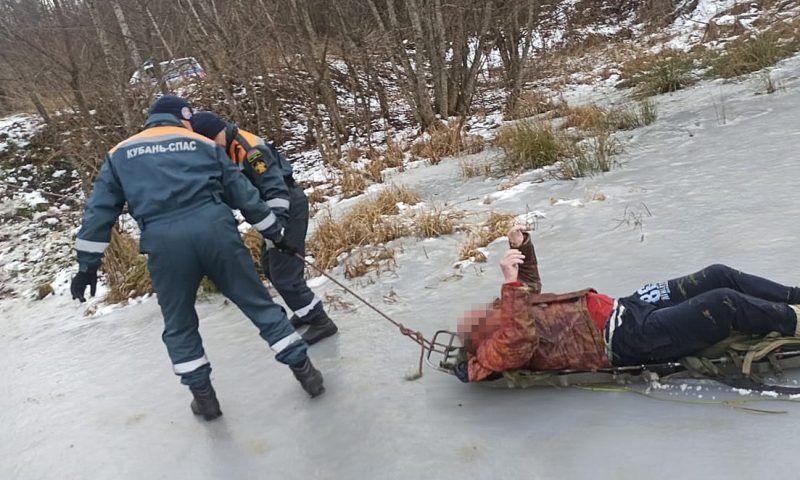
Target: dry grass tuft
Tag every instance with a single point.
(531, 103)
(588, 118)
(254, 242)
(43, 290)
(125, 269)
(444, 141)
(752, 53)
(371, 221)
(377, 259)
(435, 222)
(653, 74)
(530, 145)
(353, 182)
(393, 157)
(315, 198)
(595, 119)
(474, 168)
(496, 226)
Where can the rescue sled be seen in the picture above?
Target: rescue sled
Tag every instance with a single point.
(740, 361)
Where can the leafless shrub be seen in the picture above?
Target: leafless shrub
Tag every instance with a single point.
(531, 103)
(445, 141)
(634, 218)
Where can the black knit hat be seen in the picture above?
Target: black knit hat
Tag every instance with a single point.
(173, 105)
(208, 124)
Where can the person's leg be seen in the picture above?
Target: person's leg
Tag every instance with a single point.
(686, 328)
(176, 275)
(677, 290)
(228, 264)
(286, 273)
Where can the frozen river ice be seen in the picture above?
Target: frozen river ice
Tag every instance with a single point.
(94, 397)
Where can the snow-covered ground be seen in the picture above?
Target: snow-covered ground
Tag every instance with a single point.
(94, 397)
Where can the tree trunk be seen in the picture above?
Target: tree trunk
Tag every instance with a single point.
(72, 69)
(468, 89)
(317, 61)
(130, 44)
(105, 46)
(157, 29)
(415, 75)
(440, 51)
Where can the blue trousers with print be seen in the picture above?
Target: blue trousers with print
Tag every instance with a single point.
(669, 320)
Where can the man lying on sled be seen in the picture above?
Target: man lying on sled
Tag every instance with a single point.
(586, 330)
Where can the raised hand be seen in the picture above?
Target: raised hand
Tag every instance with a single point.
(510, 263)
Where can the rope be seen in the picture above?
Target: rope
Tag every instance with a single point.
(415, 335)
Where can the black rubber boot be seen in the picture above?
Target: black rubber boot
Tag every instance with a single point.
(309, 377)
(319, 327)
(205, 402)
(298, 322)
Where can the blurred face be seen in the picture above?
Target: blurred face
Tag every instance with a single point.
(478, 325)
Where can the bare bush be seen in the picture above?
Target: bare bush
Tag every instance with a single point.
(446, 141)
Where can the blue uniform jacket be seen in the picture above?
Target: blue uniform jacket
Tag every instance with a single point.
(165, 171)
(266, 168)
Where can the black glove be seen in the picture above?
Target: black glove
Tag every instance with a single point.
(79, 283)
(281, 245)
(462, 372)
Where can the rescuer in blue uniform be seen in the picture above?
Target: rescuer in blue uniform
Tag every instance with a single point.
(269, 171)
(180, 187)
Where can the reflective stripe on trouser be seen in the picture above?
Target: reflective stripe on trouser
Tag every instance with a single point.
(286, 272)
(181, 252)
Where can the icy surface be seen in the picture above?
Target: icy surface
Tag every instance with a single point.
(94, 397)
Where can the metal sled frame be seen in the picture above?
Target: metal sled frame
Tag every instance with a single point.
(448, 352)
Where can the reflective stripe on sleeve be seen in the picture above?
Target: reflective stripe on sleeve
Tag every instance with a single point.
(278, 203)
(302, 312)
(283, 343)
(190, 366)
(90, 246)
(268, 221)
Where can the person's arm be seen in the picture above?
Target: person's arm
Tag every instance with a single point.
(529, 268)
(242, 195)
(510, 346)
(263, 169)
(102, 210)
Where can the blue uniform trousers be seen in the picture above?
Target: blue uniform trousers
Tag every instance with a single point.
(286, 272)
(206, 242)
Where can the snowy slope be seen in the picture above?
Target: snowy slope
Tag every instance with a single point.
(95, 398)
